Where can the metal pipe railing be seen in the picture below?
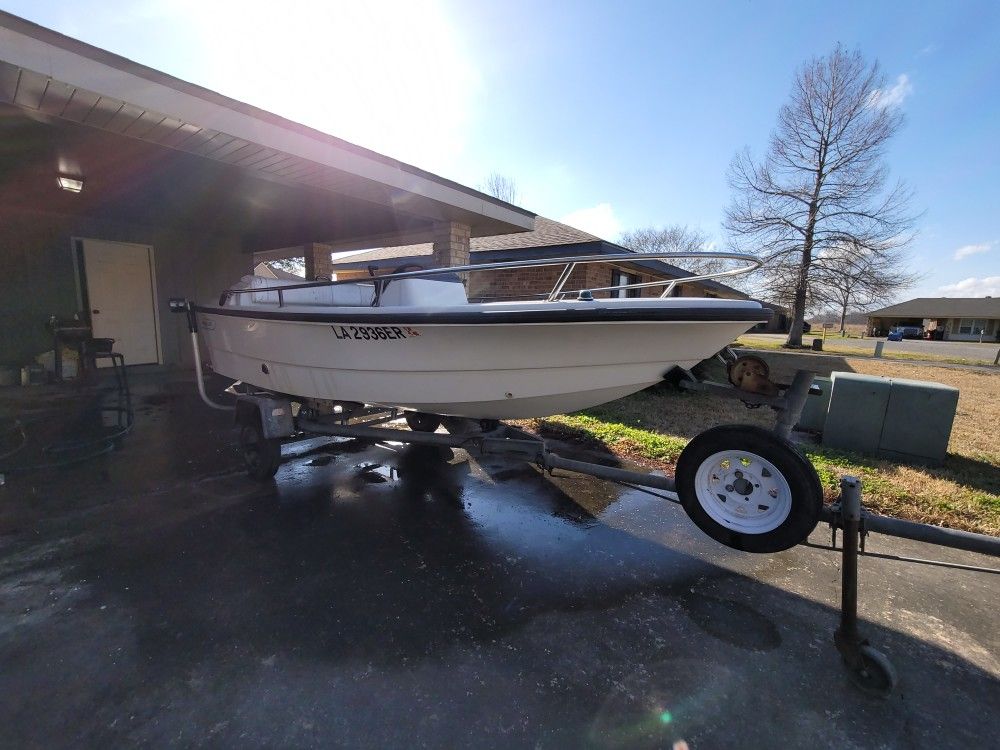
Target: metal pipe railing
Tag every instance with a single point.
(922, 532)
(569, 263)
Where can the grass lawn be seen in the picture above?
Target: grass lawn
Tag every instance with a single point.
(652, 427)
(831, 346)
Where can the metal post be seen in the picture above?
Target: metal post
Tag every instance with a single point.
(561, 281)
(878, 349)
(198, 376)
(867, 667)
(670, 288)
(793, 402)
(846, 636)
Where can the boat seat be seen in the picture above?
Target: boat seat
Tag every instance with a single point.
(417, 292)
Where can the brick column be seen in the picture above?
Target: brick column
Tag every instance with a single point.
(451, 244)
(318, 263)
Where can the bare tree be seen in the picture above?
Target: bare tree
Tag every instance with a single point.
(500, 186)
(851, 278)
(822, 183)
(295, 266)
(675, 238)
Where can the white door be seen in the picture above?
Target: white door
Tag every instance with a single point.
(120, 297)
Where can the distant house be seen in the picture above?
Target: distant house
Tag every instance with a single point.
(954, 318)
(550, 239)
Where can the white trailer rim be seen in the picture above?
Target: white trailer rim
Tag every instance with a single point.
(743, 492)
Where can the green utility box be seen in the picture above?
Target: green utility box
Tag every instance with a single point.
(918, 421)
(814, 411)
(890, 417)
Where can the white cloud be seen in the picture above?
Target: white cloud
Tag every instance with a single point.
(988, 286)
(895, 95)
(966, 250)
(599, 220)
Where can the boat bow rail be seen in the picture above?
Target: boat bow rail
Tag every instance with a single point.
(558, 291)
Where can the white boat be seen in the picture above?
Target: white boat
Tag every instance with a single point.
(413, 341)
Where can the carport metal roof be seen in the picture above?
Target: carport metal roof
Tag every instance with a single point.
(151, 147)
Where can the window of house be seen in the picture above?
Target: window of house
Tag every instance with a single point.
(971, 326)
(620, 278)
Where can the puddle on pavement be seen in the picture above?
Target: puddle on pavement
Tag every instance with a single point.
(373, 473)
(514, 507)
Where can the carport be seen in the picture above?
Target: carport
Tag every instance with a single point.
(121, 186)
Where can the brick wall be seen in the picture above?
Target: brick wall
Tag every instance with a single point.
(317, 261)
(451, 245)
(522, 283)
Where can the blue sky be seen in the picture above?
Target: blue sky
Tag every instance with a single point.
(612, 116)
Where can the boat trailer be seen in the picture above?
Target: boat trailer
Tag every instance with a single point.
(268, 420)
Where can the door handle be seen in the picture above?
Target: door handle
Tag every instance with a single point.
(95, 312)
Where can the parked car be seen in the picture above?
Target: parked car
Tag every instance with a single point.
(899, 333)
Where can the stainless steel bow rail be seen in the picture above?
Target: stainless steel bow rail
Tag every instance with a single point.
(558, 292)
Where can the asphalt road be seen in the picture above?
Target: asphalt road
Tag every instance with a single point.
(951, 349)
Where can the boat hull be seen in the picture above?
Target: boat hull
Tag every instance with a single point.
(482, 369)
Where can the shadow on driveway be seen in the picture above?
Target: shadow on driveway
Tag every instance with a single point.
(401, 597)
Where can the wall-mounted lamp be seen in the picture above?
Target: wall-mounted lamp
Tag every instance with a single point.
(72, 184)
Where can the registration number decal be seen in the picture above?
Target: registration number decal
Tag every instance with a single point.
(374, 333)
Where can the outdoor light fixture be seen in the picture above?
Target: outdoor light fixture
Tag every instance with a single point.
(72, 184)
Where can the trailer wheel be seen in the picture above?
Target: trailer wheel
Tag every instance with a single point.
(420, 422)
(875, 674)
(749, 489)
(261, 455)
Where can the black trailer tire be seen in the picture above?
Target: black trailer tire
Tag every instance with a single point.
(875, 674)
(420, 422)
(749, 489)
(261, 455)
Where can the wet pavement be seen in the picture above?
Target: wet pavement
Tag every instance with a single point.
(392, 596)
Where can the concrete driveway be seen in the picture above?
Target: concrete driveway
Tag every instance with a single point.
(952, 349)
(384, 596)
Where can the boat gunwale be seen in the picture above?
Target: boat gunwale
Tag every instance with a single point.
(561, 315)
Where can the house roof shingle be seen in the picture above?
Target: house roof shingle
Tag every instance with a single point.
(942, 307)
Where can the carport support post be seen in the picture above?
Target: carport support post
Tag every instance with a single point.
(451, 245)
(318, 262)
(846, 637)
